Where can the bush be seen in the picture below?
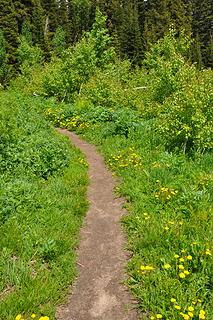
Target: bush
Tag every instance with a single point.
(64, 78)
(186, 121)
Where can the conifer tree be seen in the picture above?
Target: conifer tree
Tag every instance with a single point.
(3, 59)
(180, 18)
(38, 23)
(63, 20)
(81, 17)
(203, 30)
(157, 21)
(9, 26)
(130, 35)
(50, 10)
(23, 10)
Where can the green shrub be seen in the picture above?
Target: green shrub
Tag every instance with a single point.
(64, 78)
(29, 56)
(186, 121)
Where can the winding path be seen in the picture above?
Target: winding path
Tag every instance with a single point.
(98, 292)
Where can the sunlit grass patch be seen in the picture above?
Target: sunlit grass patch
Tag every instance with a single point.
(169, 226)
(43, 202)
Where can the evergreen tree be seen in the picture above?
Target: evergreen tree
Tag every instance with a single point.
(130, 35)
(81, 17)
(161, 15)
(203, 30)
(71, 18)
(38, 23)
(9, 26)
(50, 9)
(23, 10)
(63, 20)
(3, 60)
(180, 16)
(157, 21)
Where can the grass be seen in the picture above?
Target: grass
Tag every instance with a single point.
(42, 207)
(169, 226)
(154, 128)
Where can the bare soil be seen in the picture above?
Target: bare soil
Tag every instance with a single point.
(99, 292)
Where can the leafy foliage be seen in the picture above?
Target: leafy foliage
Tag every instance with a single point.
(28, 55)
(78, 64)
(42, 185)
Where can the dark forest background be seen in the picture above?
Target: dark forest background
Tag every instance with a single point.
(134, 25)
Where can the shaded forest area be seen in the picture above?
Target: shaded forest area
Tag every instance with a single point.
(134, 26)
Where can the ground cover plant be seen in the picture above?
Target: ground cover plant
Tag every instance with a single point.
(42, 204)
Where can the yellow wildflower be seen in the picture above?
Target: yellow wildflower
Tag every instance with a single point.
(186, 317)
(194, 243)
(149, 268)
(181, 259)
(181, 267)
(152, 318)
(18, 317)
(191, 314)
(202, 314)
(182, 275)
(186, 272)
(167, 266)
(33, 315)
(191, 308)
(189, 257)
(208, 252)
(176, 256)
(177, 307)
(159, 316)
(166, 228)
(171, 222)
(183, 250)
(173, 300)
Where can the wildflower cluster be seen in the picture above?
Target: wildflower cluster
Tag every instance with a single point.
(171, 223)
(144, 269)
(182, 265)
(33, 316)
(76, 123)
(59, 119)
(165, 193)
(83, 162)
(55, 116)
(157, 316)
(189, 312)
(193, 311)
(126, 159)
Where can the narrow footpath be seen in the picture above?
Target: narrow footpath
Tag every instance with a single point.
(98, 292)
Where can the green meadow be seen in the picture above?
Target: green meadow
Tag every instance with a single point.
(154, 126)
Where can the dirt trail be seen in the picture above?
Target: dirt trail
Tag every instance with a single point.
(98, 292)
